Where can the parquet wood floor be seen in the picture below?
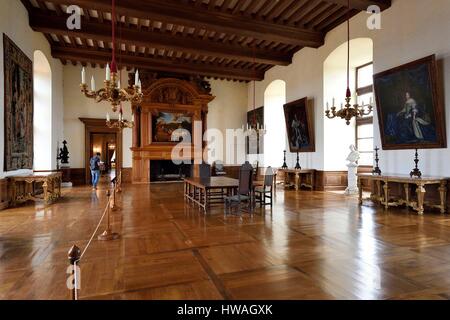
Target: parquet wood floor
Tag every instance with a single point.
(310, 246)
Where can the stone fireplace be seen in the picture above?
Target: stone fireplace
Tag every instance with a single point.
(169, 95)
(167, 171)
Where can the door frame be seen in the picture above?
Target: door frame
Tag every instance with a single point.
(92, 125)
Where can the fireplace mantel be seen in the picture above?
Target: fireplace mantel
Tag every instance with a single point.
(165, 95)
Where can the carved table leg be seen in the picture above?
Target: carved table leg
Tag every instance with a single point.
(420, 198)
(386, 195)
(443, 196)
(14, 194)
(297, 181)
(286, 180)
(360, 191)
(406, 186)
(379, 195)
(45, 187)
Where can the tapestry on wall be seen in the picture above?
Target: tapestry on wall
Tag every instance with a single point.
(300, 126)
(255, 143)
(410, 109)
(18, 70)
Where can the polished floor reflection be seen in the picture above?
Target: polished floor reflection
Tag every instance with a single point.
(311, 246)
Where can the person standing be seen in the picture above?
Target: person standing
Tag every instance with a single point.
(95, 170)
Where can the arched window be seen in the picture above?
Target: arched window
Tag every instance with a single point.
(337, 135)
(275, 139)
(42, 112)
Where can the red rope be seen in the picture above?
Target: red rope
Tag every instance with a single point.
(113, 24)
(348, 94)
(254, 89)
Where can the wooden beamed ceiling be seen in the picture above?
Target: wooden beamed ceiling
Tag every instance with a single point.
(225, 39)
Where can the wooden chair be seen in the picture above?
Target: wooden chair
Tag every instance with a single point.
(219, 169)
(255, 170)
(266, 190)
(244, 192)
(205, 171)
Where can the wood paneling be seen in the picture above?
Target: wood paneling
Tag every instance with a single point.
(331, 180)
(4, 197)
(75, 175)
(127, 174)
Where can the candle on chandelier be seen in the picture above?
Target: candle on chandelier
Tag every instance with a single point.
(83, 76)
(333, 102)
(92, 83)
(132, 118)
(140, 86)
(108, 73)
(136, 78)
(108, 119)
(328, 107)
(119, 84)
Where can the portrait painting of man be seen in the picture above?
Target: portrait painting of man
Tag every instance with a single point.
(299, 126)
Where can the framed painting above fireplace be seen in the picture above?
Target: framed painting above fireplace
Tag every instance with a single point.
(170, 127)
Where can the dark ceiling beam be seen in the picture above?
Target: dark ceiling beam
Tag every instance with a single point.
(175, 12)
(133, 36)
(155, 64)
(362, 5)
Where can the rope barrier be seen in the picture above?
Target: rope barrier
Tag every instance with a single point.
(75, 254)
(98, 226)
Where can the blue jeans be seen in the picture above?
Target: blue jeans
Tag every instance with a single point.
(95, 177)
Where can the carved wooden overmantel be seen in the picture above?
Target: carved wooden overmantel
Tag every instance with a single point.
(170, 95)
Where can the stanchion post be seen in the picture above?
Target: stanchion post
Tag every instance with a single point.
(113, 203)
(108, 235)
(74, 256)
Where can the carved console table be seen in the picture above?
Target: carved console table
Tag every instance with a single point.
(299, 178)
(382, 187)
(27, 187)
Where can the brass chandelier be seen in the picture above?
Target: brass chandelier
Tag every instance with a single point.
(121, 123)
(348, 111)
(254, 128)
(112, 92)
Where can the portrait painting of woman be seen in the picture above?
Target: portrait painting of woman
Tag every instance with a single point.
(410, 111)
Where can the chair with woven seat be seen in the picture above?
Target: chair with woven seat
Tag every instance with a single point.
(219, 169)
(265, 192)
(243, 193)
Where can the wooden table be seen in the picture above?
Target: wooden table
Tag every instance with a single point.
(381, 185)
(200, 190)
(302, 178)
(24, 188)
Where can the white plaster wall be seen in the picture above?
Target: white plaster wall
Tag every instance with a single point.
(77, 106)
(336, 146)
(411, 29)
(226, 111)
(14, 23)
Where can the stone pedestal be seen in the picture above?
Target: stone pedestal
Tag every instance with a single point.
(66, 181)
(352, 188)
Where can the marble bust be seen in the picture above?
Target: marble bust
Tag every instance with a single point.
(354, 155)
